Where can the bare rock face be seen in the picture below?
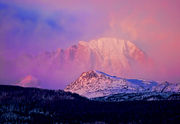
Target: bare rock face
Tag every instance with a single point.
(98, 84)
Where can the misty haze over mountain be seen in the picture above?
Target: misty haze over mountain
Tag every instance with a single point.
(114, 56)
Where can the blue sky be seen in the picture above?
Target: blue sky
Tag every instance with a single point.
(24, 28)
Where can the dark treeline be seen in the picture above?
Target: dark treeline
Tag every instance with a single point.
(31, 105)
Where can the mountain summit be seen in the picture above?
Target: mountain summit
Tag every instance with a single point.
(111, 55)
(97, 84)
(28, 81)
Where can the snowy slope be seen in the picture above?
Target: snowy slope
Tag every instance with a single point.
(145, 96)
(96, 84)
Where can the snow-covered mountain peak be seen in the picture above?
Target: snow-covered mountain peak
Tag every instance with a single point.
(106, 44)
(29, 81)
(96, 84)
(115, 51)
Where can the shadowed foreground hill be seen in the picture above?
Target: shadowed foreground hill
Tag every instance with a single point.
(32, 105)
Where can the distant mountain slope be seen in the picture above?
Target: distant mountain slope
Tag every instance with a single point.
(111, 55)
(143, 96)
(96, 84)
